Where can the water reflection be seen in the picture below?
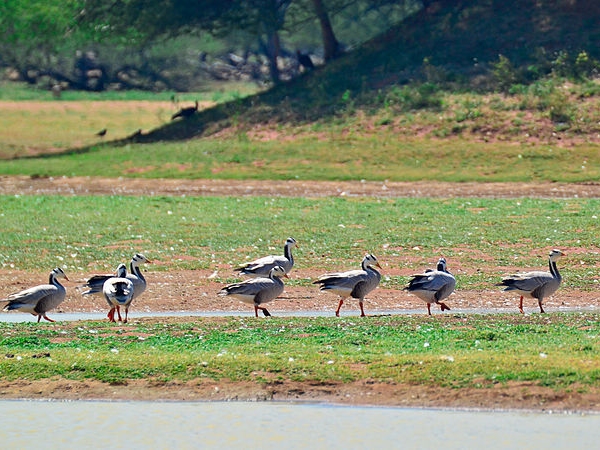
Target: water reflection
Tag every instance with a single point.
(178, 425)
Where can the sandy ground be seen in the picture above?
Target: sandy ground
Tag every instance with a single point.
(196, 290)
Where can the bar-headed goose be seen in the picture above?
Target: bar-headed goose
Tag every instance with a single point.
(257, 291)
(38, 300)
(536, 284)
(433, 286)
(262, 266)
(354, 283)
(118, 292)
(95, 284)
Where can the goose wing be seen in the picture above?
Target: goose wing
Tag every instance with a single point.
(250, 290)
(342, 283)
(431, 281)
(50, 301)
(261, 267)
(248, 287)
(95, 284)
(32, 295)
(36, 299)
(432, 285)
(526, 282)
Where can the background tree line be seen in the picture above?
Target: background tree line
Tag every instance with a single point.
(161, 42)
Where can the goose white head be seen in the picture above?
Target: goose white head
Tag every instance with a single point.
(58, 273)
(555, 254)
(139, 258)
(291, 242)
(370, 260)
(278, 272)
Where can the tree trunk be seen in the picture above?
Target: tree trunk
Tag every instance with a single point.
(270, 47)
(331, 45)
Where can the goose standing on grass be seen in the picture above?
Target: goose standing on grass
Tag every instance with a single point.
(536, 284)
(40, 299)
(433, 286)
(118, 292)
(261, 267)
(257, 291)
(354, 283)
(95, 284)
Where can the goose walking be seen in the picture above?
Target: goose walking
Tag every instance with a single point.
(118, 292)
(536, 284)
(257, 291)
(433, 286)
(95, 284)
(262, 266)
(354, 283)
(40, 299)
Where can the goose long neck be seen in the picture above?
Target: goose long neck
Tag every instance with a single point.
(368, 268)
(554, 270)
(275, 278)
(135, 269)
(287, 252)
(54, 280)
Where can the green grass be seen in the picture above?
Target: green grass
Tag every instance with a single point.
(214, 92)
(470, 137)
(489, 237)
(456, 351)
(339, 157)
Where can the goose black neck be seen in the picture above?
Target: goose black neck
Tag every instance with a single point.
(554, 269)
(366, 267)
(53, 280)
(287, 252)
(134, 269)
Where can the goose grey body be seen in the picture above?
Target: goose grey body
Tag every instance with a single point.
(257, 291)
(262, 266)
(536, 284)
(95, 284)
(118, 292)
(38, 300)
(433, 286)
(353, 283)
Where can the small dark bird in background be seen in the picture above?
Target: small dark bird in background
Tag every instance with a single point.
(304, 60)
(102, 132)
(186, 112)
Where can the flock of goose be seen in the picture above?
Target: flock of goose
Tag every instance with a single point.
(265, 284)
(119, 290)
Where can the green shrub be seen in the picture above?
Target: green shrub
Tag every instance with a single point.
(504, 73)
(407, 98)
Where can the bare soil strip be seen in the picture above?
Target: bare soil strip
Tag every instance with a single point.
(290, 188)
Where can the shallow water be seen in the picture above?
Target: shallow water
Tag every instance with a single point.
(182, 425)
(15, 316)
